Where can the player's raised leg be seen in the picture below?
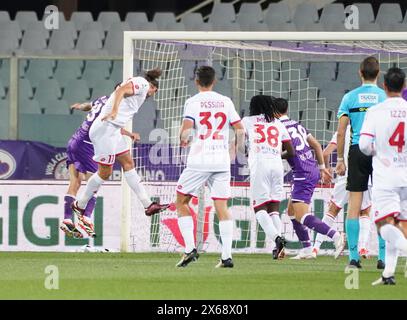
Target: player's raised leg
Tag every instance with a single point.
(134, 181)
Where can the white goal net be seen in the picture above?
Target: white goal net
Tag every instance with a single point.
(312, 75)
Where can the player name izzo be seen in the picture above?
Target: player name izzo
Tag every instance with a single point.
(212, 104)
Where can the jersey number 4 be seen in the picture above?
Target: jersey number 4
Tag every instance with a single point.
(272, 135)
(397, 138)
(206, 116)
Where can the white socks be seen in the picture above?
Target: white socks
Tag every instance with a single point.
(395, 241)
(364, 225)
(226, 234)
(329, 220)
(134, 181)
(275, 216)
(186, 226)
(91, 189)
(267, 224)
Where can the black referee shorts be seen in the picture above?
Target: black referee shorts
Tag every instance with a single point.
(359, 170)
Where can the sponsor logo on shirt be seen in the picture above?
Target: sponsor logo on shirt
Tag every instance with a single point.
(368, 98)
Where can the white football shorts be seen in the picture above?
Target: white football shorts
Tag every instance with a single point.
(340, 196)
(218, 183)
(266, 182)
(107, 141)
(390, 202)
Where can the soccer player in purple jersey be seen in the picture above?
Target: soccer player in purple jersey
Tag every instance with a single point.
(307, 172)
(81, 165)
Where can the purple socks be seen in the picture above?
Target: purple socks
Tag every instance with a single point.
(67, 206)
(68, 211)
(301, 232)
(317, 225)
(89, 207)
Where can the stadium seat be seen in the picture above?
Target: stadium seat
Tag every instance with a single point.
(34, 43)
(114, 43)
(332, 15)
(102, 88)
(39, 69)
(9, 43)
(94, 26)
(348, 72)
(4, 16)
(225, 26)
(292, 71)
(89, 43)
(175, 26)
(283, 26)
(277, 13)
(117, 71)
(5, 72)
(118, 27)
(144, 26)
(24, 18)
(252, 10)
(54, 106)
(224, 87)
(222, 12)
(76, 91)
(47, 89)
(306, 17)
(389, 12)
(62, 42)
(68, 70)
(366, 14)
(321, 72)
(101, 66)
(12, 28)
(162, 19)
(25, 90)
(68, 27)
(80, 18)
(28, 106)
(246, 23)
(134, 19)
(192, 20)
(107, 18)
(38, 26)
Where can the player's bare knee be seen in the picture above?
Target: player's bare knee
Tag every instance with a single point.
(104, 172)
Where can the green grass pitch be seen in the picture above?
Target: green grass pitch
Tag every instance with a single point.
(154, 276)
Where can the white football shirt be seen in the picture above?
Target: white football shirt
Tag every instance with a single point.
(265, 138)
(129, 105)
(386, 124)
(211, 113)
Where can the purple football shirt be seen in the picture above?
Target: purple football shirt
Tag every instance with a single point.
(83, 131)
(405, 94)
(303, 163)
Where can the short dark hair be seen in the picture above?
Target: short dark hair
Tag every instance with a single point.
(205, 75)
(281, 105)
(370, 68)
(394, 79)
(152, 75)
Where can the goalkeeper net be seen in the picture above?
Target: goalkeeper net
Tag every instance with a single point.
(312, 75)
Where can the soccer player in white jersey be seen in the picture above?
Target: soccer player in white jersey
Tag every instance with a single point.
(383, 136)
(340, 197)
(266, 137)
(209, 114)
(109, 144)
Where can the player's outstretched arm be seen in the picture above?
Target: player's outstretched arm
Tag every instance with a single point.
(329, 149)
(119, 94)
(314, 144)
(340, 165)
(85, 106)
(132, 135)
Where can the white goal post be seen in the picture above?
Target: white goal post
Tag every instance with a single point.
(128, 48)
